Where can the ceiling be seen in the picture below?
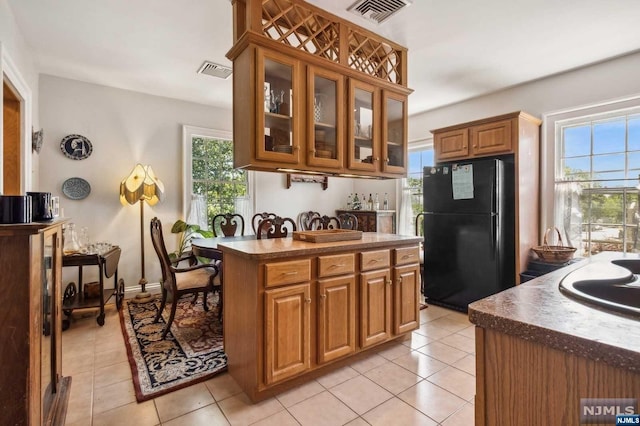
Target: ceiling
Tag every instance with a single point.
(457, 49)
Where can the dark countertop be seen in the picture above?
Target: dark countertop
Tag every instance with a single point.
(286, 247)
(537, 311)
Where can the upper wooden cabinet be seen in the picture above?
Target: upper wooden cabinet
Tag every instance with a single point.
(291, 64)
(482, 138)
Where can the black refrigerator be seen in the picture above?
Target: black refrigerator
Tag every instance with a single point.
(469, 231)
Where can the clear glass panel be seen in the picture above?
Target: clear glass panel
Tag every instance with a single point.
(609, 136)
(324, 117)
(363, 126)
(611, 162)
(633, 164)
(395, 133)
(632, 211)
(613, 179)
(46, 360)
(578, 168)
(277, 105)
(633, 143)
(576, 141)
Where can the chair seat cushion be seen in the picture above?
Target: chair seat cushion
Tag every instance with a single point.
(193, 279)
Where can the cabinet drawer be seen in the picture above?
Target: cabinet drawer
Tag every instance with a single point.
(336, 265)
(374, 260)
(280, 273)
(407, 255)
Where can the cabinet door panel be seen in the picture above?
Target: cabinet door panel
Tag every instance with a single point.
(364, 149)
(277, 112)
(451, 145)
(406, 286)
(492, 138)
(325, 118)
(287, 326)
(394, 131)
(336, 318)
(375, 307)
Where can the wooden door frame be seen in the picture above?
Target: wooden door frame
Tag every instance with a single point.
(14, 79)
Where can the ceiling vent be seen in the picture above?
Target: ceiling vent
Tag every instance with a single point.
(378, 10)
(215, 70)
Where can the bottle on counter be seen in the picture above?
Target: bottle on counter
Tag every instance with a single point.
(349, 202)
(376, 203)
(370, 203)
(356, 202)
(385, 203)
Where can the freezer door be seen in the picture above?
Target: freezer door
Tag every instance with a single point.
(438, 189)
(462, 259)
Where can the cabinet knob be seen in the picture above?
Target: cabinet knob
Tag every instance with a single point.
(386, 160)
(376, 159)
(322, 296)
(389, 282)
(296, 147)
(475, 146)
(399, 280)
(313, 151)
(307, 300)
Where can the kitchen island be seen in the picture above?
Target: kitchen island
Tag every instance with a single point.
(538, 352)
(294, 310)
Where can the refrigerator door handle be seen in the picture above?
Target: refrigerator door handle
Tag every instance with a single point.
(494, 234)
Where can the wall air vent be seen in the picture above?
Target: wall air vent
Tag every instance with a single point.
(215, 70)
(378, 10)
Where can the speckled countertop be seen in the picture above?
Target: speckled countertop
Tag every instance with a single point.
(537, 311)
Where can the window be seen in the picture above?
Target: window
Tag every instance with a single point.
(597, 181)
(420, 155)
(209, 172)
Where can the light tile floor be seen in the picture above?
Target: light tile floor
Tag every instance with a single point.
(428, 379)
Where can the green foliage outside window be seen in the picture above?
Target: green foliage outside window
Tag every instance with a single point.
(214, 177)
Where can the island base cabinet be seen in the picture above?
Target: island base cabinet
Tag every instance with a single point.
(336, 318)
(375, 307)
(519, 382)
(288, 331)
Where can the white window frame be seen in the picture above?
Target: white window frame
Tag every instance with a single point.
(550, 149)
(188, 133)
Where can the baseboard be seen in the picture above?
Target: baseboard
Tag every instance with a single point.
(133, 290)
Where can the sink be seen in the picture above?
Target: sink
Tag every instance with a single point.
(612, 285)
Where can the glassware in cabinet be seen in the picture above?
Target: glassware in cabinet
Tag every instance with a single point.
(277, 126)
(364, 151)
(325, 117)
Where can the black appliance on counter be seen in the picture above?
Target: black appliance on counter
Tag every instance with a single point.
(469, 231)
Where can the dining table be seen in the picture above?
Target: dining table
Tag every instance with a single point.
(208, 247)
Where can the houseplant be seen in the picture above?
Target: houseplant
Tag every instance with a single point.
(187, 232)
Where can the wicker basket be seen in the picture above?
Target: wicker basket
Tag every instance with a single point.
(554, 254)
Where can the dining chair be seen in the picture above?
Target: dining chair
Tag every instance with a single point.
(348, 221)
(182, 281)
(275, 227)
(419, 224)
(228, 224)
(325, 222)
(259, 217)
(305, 218)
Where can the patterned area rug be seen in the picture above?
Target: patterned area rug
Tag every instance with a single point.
(191, 352)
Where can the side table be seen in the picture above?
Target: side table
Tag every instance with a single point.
(107, 263)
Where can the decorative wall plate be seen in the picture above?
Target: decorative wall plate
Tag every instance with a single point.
(76, 188)
(76, 147)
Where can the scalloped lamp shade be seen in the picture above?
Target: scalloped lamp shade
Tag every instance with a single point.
(141, 184)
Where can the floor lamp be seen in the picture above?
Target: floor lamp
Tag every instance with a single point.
(141, 185)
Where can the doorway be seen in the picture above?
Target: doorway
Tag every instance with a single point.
(11, 147)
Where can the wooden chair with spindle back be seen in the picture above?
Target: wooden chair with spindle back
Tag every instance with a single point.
(228, 224)
(325, 222)
(348, 221)
(259, 217)
(275, 227)
(305, 218)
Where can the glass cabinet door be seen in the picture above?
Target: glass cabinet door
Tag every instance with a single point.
(364, 152)
(277, 124)
(325, 112)
(50, 363)
(394, 130)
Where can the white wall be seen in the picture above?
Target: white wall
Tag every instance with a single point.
(604, 81)
(126, 127)
(596, 84)
(14, 47)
